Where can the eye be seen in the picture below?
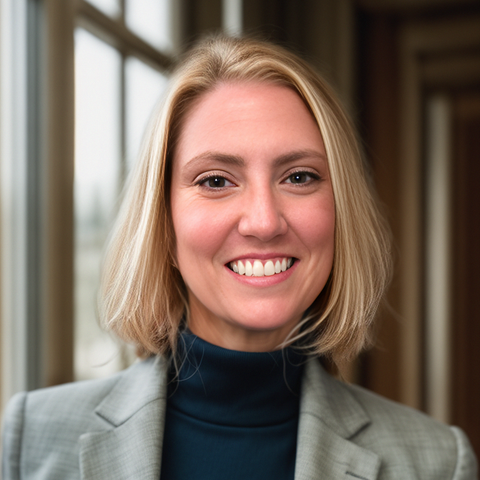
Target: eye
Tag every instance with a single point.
(299, 178)
(215, 182)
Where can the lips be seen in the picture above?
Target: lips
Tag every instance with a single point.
(261, 268)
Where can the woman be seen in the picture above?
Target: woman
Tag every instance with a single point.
(248, 247)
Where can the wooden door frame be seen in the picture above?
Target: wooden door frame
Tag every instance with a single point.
(421, 44)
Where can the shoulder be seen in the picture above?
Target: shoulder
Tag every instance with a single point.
(408, 441)
(71, 402)
(80, 397)
(392, 415)
(41, 428)
(60, 405)
(44, 426)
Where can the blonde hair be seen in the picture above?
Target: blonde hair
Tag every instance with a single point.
(143, 298)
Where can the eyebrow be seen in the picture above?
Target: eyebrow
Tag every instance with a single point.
(240, 162)
(297, 155)
(219, 157)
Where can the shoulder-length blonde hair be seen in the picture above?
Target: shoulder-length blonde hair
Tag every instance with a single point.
(143, 298)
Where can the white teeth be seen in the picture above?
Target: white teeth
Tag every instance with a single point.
(260, 270)
(269, 269)
(241, 268)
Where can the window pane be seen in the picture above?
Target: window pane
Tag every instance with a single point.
(97, 162)
(109, 7)
(151, 20)
(144, 86)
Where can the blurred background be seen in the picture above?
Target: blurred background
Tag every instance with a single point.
(78, 82)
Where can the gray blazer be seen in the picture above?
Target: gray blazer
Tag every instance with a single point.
(113, 429)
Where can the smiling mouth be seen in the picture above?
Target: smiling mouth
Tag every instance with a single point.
(256, 268)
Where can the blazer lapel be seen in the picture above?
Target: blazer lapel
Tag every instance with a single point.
(128, 439)
(329, 417)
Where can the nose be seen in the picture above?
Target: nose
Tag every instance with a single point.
(262, 216)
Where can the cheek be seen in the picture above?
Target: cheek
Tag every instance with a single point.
(319, 238)
(323, 230)
(199, 230)
(316, 226)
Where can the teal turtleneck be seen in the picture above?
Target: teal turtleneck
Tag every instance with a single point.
(230, 414)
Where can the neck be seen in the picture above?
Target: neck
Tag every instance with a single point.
(235, 386)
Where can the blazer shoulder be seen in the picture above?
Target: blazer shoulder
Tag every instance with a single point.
(404, 436)
(12, 436)
(386, 411)
(79, 397)
(42, 428)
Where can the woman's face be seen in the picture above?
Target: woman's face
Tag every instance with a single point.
(253, 214)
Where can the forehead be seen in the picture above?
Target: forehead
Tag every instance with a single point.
(240, 97)
(233, 114)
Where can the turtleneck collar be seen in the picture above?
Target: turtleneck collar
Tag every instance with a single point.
(232, 388)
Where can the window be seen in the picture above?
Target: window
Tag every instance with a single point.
(121, 62)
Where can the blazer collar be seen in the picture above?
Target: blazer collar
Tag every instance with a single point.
(330, 416)
(128, 439)
(128, 436)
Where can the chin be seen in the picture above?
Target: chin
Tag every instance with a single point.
(266, 321)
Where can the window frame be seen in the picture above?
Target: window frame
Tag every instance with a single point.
(37, 179)
(113, 32)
